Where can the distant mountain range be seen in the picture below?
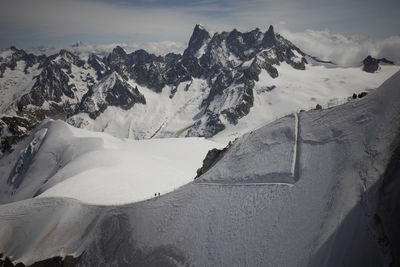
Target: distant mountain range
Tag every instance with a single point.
(210, 87)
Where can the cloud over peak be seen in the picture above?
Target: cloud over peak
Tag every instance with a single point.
(344, 50)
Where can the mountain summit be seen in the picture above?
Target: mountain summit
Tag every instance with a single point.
(199, 38)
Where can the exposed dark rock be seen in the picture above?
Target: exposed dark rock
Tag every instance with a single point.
(51, 85)
(269, 39)
(212, 157)
(243, 108)
(385, 61)
(266, 89)
(371, 64)
(243, 45)
(19, 55)
(212, 126)
(321, 61)
(141, 56)
(123, 96)
(69, 57)
(199, 37)
(58, 261)
(149, 75)
(318, 107)
(117, 56)
(193, 66)
(15, 128)
(97, 64)
(299, 65)
(177, 73)
(362, 94)
(115, 92)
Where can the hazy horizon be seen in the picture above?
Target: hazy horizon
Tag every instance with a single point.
(28, 24)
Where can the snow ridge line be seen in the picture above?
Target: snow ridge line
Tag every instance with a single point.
(159, 129)
(244, 184)
(296, 132)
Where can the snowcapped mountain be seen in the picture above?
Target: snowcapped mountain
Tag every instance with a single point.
(314, 188)
(226, 84)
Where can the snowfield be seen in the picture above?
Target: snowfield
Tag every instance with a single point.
(340, 210)
(96, 168)
(293, 90)
(296, 90)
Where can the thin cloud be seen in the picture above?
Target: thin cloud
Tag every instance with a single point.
(344, 50)
(85, 49)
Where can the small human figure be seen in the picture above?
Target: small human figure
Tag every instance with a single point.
(155, 194)
(158, 194)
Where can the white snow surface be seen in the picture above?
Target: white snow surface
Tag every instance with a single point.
(324, 218)
(100, 169)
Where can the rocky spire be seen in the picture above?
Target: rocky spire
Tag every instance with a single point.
(199, 36)
(117, 55)
(269, 37)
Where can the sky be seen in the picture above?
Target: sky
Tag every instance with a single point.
(43, 23)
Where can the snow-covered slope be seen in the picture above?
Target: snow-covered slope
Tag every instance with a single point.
(296, 90)
(60, 160)
(337, 210)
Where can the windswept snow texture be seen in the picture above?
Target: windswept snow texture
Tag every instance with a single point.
(96, 168)
(329, 216)
(263, 156)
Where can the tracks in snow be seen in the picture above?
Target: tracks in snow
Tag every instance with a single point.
(296, 132)
(242, 184)
(294, 171)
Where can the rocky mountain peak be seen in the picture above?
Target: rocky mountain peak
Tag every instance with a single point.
(117, 55)
(68, 57)
(112, 90)
(119, 51)
(97, 64)
(199, 37)
(371, 64)
(66, 54)
(269, 37)
(141, 56)
(18, 55)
